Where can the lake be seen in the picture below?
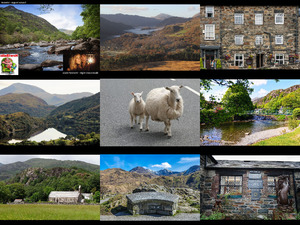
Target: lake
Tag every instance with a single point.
(235, 131)
(46, 135)
(37, 56)
(136, 30)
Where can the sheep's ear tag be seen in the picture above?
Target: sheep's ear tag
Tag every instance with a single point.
(132, 93)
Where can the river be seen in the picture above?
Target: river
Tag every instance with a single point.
(46, 135)
(37, 56)
(235, 131)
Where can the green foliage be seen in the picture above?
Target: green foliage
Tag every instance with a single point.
(296, 113)
(237, 99)
(201, 64)
(210, 116)
(292, 123)
(213, 216)
(219, 64)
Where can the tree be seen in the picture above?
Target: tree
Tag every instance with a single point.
(17, 191)
(4, 193)
(91, 18)
(237, 99)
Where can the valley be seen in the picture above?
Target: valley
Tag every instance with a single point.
(128, 42)
(26, 119)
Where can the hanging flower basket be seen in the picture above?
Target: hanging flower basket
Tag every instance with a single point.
(227, 56)
(296, 56)
(271, 56)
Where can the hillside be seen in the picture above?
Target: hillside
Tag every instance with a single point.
(286, 98)
(131, 20)
(51, 99)
(19, 125)
(27, 103)
(80, 116)
(109, 28)
(68, 32)
(162, 16)
(17, 26)
(172, 20)
(7, 171)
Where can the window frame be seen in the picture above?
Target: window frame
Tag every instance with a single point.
(279, 60)
(256, 19)
(236, 15)
(278, 15)
(239, 60)
(261, 37)
(278, 37)
(228, 185)
(210, 38)
(207, 11)
(236, 38)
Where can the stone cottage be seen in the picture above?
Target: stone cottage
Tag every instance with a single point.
(152, 203)
(66, 196)
(250, 36)
(249, 189)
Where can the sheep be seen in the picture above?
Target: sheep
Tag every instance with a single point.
(163, 105)
(137, 108)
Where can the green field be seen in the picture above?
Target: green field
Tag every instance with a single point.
(49, 212)
(289, 139)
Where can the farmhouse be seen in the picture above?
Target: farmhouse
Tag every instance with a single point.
(69, 196)
(250, 36)
(249, 189)
(152, 203)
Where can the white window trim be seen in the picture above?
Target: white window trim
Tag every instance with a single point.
(277, 15)
(261, 37)
(239, 14)
(239, 36)
(277, 37)
(214, 34)
(279, 54)
(213, 11)
(257, 22)
(242, 65)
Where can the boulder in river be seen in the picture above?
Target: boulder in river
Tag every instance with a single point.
(62, 49)
(49, 62)
(31, 67)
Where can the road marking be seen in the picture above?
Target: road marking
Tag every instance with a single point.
(173, 80)
(192, 90)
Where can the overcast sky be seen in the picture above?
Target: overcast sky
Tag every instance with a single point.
(295, 158)
(59, 86)
(93, 159)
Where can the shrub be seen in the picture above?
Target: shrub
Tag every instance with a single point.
(219, 64)
(296, 113)
(201, 64)
(214, 216)
(292, 123)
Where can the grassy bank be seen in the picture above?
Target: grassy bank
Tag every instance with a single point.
(292, 138)
(49, 212)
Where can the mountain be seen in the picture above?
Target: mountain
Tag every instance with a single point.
(131, 20)
(51, 99)
(68, 32)
(27, 103)
(192, 170)
(142, 170)
(196, 15)
(21, 27)
(9, 170)
(165, 172)
(19, 125)
(81, 116)
(286, 98)
(109, 28)
(162, 16)
(173, 20)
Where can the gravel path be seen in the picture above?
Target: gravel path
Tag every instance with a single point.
(177, 217)
(262, 135)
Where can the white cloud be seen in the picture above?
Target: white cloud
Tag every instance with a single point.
(164, 165)
(124, 8)
(258, 82)
(295, 158)
(262, 92)
(189, 159)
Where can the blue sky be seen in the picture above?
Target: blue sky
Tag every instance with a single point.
(151, 10)
(154, 162)
(261, 87)
(62, 17)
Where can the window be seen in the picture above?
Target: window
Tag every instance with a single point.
(209, 32)
(259, 40)
(259, 19)
(238, 18)
(239, 39)
(271, 185)
(279, 18)
(231, 184)
(279, 39)
(239, 60)
(209, 11)
(279, 58)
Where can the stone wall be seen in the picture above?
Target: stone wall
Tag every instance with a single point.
(242, 207)
(297, 184)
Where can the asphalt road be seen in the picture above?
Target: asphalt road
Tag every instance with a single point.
(115, 119)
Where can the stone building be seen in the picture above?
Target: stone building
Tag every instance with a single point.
(247, 189)
(69, 196)
(152, 203)
(250, 36)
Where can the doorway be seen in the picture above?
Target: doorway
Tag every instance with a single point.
(209, 57)
(259, 60)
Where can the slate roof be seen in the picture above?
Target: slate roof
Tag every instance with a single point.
(254, 164)
(144, 196)
(64, 194)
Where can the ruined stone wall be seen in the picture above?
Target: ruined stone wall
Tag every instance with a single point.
(242, 207)
(229, 29)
